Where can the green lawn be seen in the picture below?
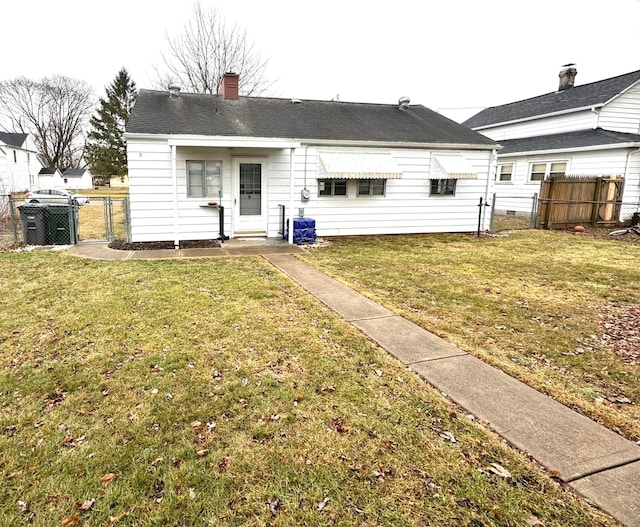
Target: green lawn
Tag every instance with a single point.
(537, 304)
(217, 392)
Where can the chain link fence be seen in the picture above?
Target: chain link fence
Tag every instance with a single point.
(64, 223)
(513, 212)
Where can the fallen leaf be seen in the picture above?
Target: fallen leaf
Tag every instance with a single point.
(499, 470)
(379, 373)
(107, 478)
(85, 505)
(192, 493)
(22, 506)
(274, 506)
(323, 504)
(70, 521)
(202, 452)
(116, 519)
(534, 522)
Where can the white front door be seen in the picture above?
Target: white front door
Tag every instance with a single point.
(250, 196)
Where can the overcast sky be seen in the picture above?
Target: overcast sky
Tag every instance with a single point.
(453, 56)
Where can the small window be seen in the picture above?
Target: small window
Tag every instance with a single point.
(371, 187)
(204, 178)
(66, 181)
(15, 157)
(443, 187)
(542, 171)
(332, 187)
(505, 173)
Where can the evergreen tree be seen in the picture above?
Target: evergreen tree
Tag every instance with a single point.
(106, 150)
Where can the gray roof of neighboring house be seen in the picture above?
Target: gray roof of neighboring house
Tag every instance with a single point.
(212, 115)
(13, 139)
(568, 140)
(585, 95)
(74, 172)
(48, 170)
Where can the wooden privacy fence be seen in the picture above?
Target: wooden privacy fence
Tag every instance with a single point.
(566, 201)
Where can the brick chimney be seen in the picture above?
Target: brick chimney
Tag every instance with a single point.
(567, 76)
(229, 88)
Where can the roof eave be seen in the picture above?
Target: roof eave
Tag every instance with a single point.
(284, 142)
(541, 116)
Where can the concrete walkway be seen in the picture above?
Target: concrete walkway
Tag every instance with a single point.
(599, 464)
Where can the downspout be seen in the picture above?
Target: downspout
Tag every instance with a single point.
(174, 179)
(596, 111)
(291, 182)
(490, 172)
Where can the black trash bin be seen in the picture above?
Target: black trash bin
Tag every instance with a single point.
(62, 224)
(34, 223)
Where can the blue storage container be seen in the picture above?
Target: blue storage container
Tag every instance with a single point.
(304, 230)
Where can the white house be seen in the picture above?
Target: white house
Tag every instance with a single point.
(591, 130)
(354, 168)
(77, 178)
(50, 177)
(19, 163)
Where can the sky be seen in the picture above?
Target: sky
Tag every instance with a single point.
(453, 56)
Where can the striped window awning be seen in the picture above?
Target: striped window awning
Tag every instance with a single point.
(349, 165)
(451, 166)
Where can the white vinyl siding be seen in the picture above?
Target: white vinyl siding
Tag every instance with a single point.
(407, 206)
(571, 122)
(622, 114)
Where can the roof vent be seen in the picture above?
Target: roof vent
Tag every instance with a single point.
(174, 91)
(296, 101)
(403, 103)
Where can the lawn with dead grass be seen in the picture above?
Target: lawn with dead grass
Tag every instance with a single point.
(217, 392)
(554, 309)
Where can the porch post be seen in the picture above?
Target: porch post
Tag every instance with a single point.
(174, 179)
(292, 173)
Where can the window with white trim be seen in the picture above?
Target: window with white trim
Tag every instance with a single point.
(505, 173)
(332, 187)
(204, 179)
(371, 187)
(443, 187)
(542, 171)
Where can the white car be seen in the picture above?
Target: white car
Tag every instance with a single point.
(54, 195)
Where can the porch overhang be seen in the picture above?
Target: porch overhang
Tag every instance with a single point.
(351, 165)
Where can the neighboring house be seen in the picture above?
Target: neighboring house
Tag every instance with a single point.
(590, 130)
(19, 163)
(50, 177)
(119, 181)
(354, 168)
(77, 178)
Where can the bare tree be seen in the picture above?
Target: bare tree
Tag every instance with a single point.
(54, 110)
(206, 49)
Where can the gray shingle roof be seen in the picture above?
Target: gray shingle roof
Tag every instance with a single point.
(74, 172)
(13, 139)
(47, 170)
(195, 114)
(568, 140)
(592, 94)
